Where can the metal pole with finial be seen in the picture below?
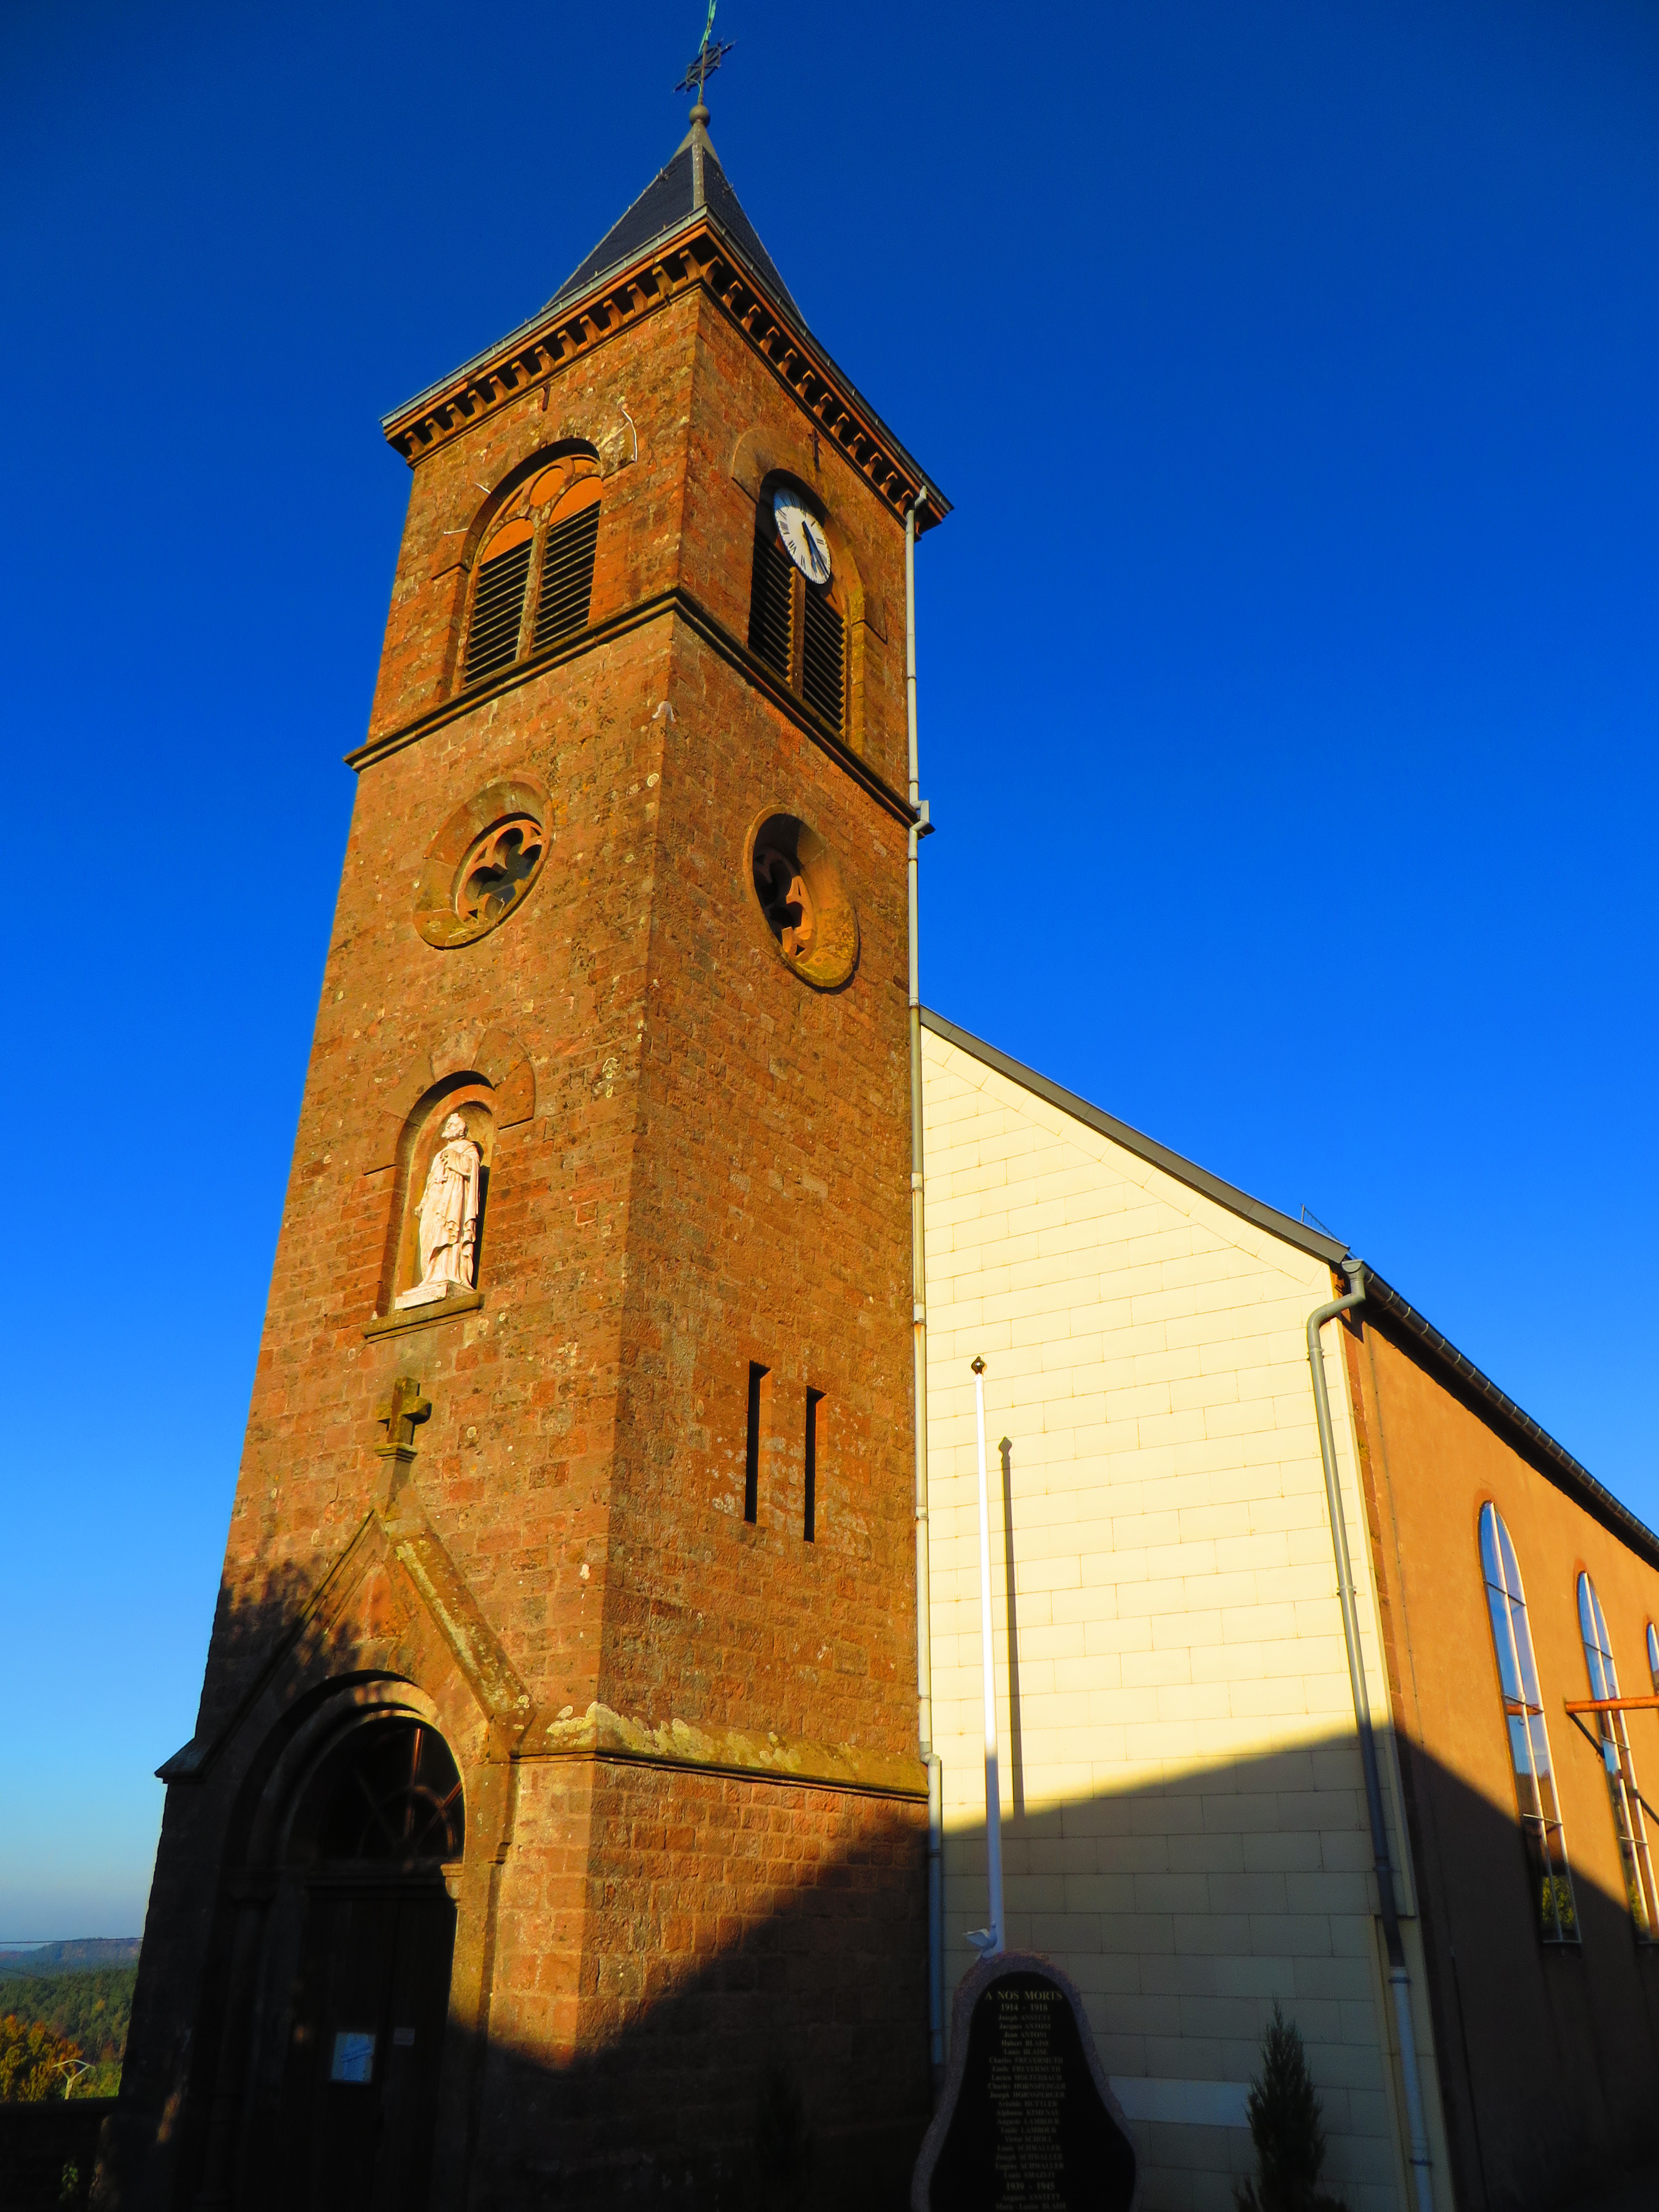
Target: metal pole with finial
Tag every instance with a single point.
(988, 1939)
(707, 60)
(709, 56)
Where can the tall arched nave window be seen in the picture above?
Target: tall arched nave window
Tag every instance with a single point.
(1613, 1738)
(1528, 1738)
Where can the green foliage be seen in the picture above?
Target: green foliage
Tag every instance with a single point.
(92, 2008)
(34, 2063)
(1284, 2126)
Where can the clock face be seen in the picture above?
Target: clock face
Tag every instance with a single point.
(803, 537)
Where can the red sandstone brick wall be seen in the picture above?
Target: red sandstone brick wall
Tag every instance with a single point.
(716, 1171)
(648, 369)
(729, 1929)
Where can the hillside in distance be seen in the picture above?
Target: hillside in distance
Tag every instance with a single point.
(80, 1955)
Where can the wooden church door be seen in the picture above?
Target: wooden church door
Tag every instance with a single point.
(361, 2092)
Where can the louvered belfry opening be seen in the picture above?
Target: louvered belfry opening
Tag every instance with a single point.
(795, 626)
(498, 610)
(568, 576)
(542, 552)
(771, 599)
(822, 654)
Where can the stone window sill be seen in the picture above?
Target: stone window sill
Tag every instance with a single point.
(394, 1323)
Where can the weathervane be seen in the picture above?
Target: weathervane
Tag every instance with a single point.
(708, 59)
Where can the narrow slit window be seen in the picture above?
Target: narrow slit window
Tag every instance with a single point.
(567, 574)
(757, 1375)
(1529, 1739)
(1652, 1657)
(1613, 1738)
(771, 602)
(822, 655)
(814, 1423)
(498, 609)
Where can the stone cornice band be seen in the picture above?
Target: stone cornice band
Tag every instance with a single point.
(695, 255)
(676, 601)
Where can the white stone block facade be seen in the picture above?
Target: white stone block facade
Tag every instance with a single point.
(1184, 1822)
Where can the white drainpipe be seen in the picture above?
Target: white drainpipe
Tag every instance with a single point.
(919, 829)
(1398, 1978)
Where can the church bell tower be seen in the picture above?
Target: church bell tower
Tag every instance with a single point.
(553, 1830)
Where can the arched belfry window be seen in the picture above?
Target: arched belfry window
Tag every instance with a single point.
(796, 622)
(1613, 1738)
(535, 570)
(1529, 1739)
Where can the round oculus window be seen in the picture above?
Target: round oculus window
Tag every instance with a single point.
(798, 886)
(483, 864)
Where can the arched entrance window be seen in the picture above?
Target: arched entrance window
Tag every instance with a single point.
(380, 1819)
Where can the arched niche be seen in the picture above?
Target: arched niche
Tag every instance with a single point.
(471, 1096)
(496, 1056)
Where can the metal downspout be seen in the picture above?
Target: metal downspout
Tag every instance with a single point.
(1398, 1977)
(919, 1341)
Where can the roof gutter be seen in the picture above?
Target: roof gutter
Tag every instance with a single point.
(1385, 1304)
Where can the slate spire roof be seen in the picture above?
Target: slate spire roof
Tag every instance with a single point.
(693, 181)
(690, 197)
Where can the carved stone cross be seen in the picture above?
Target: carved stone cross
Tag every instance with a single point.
(402, 1410)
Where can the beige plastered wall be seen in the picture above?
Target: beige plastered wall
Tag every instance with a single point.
(1184, 1814)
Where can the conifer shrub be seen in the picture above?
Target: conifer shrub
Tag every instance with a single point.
(1284, 2126)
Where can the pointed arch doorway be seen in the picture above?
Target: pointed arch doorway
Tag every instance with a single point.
(379, 1823)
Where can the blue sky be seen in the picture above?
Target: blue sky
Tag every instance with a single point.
(1289, 664)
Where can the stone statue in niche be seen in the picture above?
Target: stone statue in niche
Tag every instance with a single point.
(448, 1218)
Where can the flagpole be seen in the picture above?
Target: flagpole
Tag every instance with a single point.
(987, 1940)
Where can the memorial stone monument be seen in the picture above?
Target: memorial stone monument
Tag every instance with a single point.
(1028, 2122)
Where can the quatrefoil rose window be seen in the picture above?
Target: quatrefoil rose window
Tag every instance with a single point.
(483, 864)
(501, 865)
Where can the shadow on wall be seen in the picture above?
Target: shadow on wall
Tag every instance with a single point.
(754, 2014)
(1184, 1909)
(785, 2063)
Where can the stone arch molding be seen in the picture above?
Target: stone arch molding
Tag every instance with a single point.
(392, 1621)
(476, 1048)
(596, 429)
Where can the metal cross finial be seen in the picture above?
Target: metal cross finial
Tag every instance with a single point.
(707, 59)
(402, 1410)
